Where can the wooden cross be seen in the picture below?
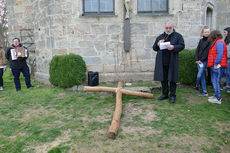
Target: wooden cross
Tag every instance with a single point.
(118, 109)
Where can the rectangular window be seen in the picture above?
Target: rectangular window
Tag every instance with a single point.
(98, 7)
(152, 6)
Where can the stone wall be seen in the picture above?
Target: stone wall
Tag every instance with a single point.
(20, 25)
(223, 14)
(60, 28)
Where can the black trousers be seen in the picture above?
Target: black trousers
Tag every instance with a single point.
(16, 73)
(165, 84)
(1, 74)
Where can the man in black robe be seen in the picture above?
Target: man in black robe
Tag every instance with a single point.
(168, 45)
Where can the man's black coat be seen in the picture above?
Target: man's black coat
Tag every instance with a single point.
(177, 40)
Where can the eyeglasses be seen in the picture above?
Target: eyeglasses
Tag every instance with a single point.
(168, 28)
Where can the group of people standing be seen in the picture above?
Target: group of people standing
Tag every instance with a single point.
(212, 52)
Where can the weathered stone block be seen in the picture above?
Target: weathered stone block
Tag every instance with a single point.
(89, 52)
(45, 3)
(59, 51)
(115, 37)
(98, 29)
(83, 29)
(19, 9)
(41, 44)
(100, 46)
(114, 29)
(54, 9)
(50, 42)
(92, 60)
(149, 41)
(85, 44)
(139, 28)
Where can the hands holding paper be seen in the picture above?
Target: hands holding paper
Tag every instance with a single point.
(165, 45)
(170, 47)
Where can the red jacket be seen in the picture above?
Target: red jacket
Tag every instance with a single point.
(213, 53)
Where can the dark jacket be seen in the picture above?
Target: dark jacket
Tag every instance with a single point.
(177, 40)
(202, 50)
(15, 64)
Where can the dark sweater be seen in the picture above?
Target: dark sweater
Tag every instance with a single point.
(15, 64)
(202, 50)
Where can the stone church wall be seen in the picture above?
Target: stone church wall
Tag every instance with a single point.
(59, 28)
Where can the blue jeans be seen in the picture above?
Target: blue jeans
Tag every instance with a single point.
(216, 78)
(227, 72)
(201, 76)
(26, 73)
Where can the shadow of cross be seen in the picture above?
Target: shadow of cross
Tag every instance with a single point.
(118, 109)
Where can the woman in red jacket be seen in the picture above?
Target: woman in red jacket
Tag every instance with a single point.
(217, 61)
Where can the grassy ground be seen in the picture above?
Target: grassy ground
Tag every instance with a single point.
(44, 119)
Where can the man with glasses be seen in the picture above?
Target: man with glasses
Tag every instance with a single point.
(167, 46)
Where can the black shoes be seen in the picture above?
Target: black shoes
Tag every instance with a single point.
(30, 86)
(172, 100)
(163, 97)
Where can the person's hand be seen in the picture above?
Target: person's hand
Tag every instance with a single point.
(4, 68)
(215, 66)
(198, 62)
(160, 41)
(170, 47)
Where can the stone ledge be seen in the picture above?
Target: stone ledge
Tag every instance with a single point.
(108, 77)
(42, 77)
(126, 77)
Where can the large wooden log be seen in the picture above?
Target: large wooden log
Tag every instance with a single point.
(124, 91)
(117, 113)
(99, 89)
(118, 109)
(135, 93)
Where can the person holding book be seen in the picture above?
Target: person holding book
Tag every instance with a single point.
(17, 55)
(168, 45)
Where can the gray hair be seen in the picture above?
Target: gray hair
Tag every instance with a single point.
(170, 22)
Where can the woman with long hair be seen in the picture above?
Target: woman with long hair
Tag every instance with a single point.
(217, 61)
(227, 72)
(201, 60)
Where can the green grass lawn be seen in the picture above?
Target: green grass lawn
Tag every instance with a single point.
(45, 119)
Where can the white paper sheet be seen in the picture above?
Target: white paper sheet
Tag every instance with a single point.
(164, 45)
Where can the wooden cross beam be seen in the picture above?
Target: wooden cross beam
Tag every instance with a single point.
(118, 109)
